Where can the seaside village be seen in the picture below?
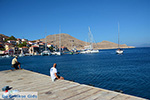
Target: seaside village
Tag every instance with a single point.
(23, 47)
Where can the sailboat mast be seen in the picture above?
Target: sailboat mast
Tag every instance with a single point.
(90, 39)
(45, 41)
(55, 42)
(118, 37)
(59, 38)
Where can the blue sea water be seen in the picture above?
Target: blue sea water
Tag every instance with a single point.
(129, 72)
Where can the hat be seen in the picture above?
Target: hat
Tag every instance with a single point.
(6, 88)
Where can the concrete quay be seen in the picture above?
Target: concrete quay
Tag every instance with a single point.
(28, 81)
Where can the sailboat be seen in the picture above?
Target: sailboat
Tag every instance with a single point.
(119, 50)
(46, 52)
(58, 52)
(89, 48)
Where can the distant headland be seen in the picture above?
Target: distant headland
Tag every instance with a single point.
(70, 42)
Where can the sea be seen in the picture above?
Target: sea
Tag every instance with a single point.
(128, 72)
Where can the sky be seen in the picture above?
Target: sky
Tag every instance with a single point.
(35, 19)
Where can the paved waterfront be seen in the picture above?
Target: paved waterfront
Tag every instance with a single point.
(27, 81)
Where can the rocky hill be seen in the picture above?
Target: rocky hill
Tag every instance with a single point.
(69, 42)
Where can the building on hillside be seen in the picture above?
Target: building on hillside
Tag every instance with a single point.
(30, 42)
(38, 41)
(42, 48)
(41, 43)
(4, 39)
(18, 41)
(13, 42)
(2, 53)
(49, 45)
(1, 45)
(24, 50)
(16, 50)
(8, 46)
(34, 50)
(24, 40)
(9, 52)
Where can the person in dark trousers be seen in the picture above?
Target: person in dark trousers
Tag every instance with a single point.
(15, 63)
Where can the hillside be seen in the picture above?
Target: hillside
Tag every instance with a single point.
(69, 41)
(2, 37)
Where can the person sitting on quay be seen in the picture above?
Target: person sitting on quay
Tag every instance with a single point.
(53, 73)
(15, 63)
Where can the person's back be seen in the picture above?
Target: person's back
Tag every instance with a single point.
(14, 61)
(52, 73)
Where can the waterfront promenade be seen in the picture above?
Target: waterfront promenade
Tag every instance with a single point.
(28, 81)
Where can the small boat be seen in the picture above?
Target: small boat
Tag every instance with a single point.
(21, 55)
(59, 53)
(119, 50)
(46, 53)
(5, 56)
(28, 54)
(56, 53)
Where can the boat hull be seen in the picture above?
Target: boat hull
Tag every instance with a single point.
(45, 53)
(89, 51)
(56, 53)
(119, 51)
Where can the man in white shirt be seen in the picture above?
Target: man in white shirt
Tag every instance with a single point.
(53, 73)
(15, 63)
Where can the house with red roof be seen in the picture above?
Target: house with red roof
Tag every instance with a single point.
(34, 50)
(18, 41)
(24, 50)
(8, 46)
(13, 42)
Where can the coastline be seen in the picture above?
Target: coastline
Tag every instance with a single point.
(109, 48)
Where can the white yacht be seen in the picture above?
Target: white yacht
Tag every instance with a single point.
(59, 53)
(89, 48)
(46, 52)
(5, 56)
(21, 55)
(119, 50)
(56, 53)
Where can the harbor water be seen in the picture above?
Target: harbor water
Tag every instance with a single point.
(129, 72)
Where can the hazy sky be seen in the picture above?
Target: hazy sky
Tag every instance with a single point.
(30, 18)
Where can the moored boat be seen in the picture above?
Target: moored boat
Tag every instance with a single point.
(119, 50)
(89, 49)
